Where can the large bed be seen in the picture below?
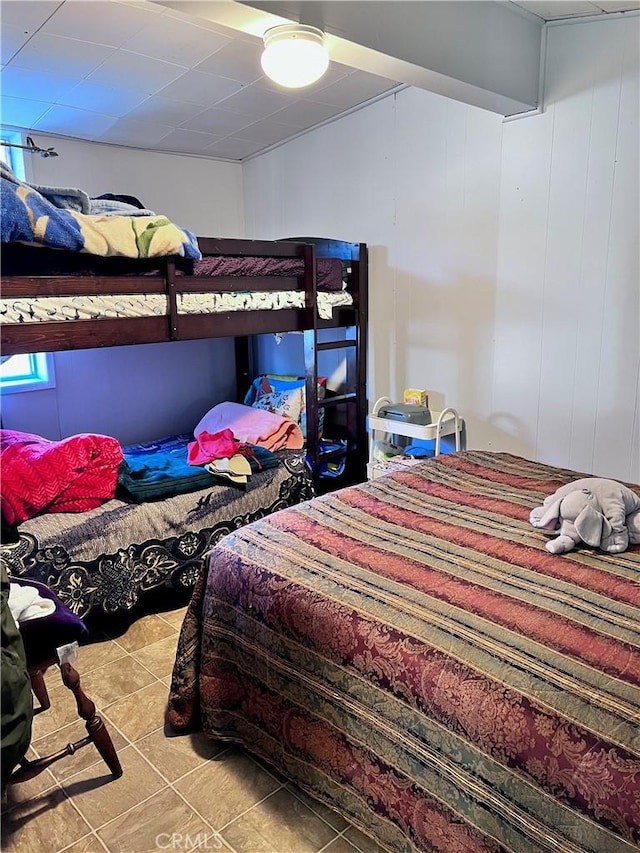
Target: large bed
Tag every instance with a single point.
(409, 653)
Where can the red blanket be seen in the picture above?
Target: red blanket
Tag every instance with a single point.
(73, 475)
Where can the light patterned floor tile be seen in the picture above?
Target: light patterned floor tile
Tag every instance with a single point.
(141, 713)
(281, 822)
(23, 791)
(155, 824)
(222, 789)
(88, 844)
(159, 657)
(328, 815)
(362, 841)
(102, 798)
(43, 824)
(98, 653)
(340, 845)
(143, 632)
(175, 755)
(116, 680)
(63, 711)
(174, 617)
(87, 756)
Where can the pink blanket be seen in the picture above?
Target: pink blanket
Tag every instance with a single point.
(255, 426)
(73, 475)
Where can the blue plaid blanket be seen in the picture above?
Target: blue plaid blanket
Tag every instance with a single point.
(27, 216)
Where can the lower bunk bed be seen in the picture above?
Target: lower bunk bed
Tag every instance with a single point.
(408, 653)
(106, 559)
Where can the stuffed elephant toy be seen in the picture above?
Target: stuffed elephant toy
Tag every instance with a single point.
(601, 513)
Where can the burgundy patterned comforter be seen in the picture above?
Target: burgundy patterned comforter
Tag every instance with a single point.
(408, 652)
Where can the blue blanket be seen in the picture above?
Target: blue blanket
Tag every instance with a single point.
(159, 469)
(27, 216)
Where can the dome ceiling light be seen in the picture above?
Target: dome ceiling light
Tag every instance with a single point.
(294, 55)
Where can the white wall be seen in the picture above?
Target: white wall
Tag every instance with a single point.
(145, 392)
(504, 255)
(202, 195)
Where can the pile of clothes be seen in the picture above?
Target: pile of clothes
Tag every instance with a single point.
(224, 456)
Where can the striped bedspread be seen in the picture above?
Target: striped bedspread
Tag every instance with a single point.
(409, 653)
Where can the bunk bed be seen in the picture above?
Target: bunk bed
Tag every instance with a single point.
(55, 300)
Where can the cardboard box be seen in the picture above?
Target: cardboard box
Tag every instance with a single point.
(417, 396)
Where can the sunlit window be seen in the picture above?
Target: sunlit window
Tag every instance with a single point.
(13, 157)
(26, 372)
(31, 371)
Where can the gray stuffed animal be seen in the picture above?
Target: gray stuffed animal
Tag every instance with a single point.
(602, 513)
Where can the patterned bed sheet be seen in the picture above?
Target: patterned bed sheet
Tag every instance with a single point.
(71, 308)
(104, 560)
(18, 259)
(409, 653)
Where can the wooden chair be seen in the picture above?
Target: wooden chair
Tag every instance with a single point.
(42, 637)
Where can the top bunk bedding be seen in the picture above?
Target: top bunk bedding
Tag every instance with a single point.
(72, 279)
(66, 218)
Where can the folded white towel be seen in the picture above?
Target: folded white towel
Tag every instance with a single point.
(25, 602)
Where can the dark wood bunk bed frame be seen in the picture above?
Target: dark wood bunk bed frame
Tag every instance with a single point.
(241, 325)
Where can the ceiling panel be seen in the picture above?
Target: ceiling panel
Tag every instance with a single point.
(137, 73)
(112, 100)
(188, 141)
(558, 10)
(71, 121)
(19, 112)
(29, 16)
(224, 122)
(175, 41)
(43, 52)
(12, 38)
(195, 87)
(100, 21)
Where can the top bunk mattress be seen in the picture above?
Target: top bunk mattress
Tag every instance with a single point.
(35, 261)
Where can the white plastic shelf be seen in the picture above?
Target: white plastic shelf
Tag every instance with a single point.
(446, 422)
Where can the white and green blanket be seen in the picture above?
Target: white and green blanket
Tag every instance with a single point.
(27, 216)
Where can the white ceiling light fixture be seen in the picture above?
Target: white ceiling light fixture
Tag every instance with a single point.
(294, 55)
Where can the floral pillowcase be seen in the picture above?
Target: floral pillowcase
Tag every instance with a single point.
(287, 404)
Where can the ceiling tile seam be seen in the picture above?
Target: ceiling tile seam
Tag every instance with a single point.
(394, 91)
(35, 32)
(585, 19)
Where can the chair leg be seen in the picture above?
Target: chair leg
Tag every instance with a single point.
(40, 690)
(96, 728)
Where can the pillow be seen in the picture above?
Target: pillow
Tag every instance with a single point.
(273, 383)
(287, 403)
(57, 629)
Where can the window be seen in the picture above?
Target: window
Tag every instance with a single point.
(13, 157)
(28, 372)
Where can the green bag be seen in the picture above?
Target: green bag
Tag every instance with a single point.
(16, 710)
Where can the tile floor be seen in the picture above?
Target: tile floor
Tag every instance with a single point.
(177, 793)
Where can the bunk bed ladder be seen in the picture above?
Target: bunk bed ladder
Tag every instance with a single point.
(351, 339)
